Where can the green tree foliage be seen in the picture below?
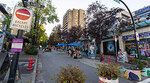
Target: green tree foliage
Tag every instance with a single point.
(54, 39)
(7, 21)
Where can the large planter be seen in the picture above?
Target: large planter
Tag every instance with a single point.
(106, 80)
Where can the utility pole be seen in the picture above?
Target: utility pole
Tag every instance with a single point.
(133, 23)
(14, 65)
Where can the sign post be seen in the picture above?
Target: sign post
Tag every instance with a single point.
(21, 20)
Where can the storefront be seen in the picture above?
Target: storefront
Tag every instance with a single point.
(130, 45)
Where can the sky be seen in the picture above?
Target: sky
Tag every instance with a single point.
(63, 5)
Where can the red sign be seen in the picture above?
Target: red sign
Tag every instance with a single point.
(22, 14)
(115, 38)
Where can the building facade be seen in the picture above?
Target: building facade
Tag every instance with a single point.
(126, 40)
(74, 18)
(108, 45)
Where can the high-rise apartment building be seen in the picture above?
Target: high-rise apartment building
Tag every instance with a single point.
(74, 18)
(82, 18)
(67, 20)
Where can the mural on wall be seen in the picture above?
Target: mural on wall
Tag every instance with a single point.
(92, 50)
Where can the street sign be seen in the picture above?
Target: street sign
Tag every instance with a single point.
(22, 14)
(16, 45)
(21, 18)
(36, 5)
(118, 1)
(137, 36)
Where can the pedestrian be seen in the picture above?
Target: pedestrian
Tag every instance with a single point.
(86, 51)
(43, 49)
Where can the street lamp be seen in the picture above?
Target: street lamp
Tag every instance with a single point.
(133, 23)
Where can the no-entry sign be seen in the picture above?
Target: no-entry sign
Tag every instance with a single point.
(22, 14)
(22, 18)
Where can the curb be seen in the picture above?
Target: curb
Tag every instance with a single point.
(34, 71)
(145, 81)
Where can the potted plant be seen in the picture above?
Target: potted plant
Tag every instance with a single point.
(71, 74)
(108, 73)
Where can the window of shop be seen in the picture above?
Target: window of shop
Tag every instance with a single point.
(109, 47)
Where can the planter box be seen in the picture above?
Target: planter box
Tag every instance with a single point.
(106, 80)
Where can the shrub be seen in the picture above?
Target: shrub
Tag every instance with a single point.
(31, 49)
(109, 70)
(71, 74)
(140, 64)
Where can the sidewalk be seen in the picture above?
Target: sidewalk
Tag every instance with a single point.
(93, 63)
(27, 76)
(24, 76)
(2, 57)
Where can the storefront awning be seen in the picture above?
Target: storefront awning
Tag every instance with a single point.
(141, 24)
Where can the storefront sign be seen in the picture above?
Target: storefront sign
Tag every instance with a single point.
(17, 45)
(21, 18)
(143, 42)
(142, 10)
(141, 35)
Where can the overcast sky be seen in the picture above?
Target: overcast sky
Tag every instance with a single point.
(63, 5)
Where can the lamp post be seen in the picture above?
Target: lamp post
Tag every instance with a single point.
(133, 23)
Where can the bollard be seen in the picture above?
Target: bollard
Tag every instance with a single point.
(117, 60)
(103, 57)
(109, 59)
(30, 64)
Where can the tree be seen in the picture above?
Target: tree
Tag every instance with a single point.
(7, 21)
(63, 35)
(74, 34)
(54, 39)
(100, 20)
